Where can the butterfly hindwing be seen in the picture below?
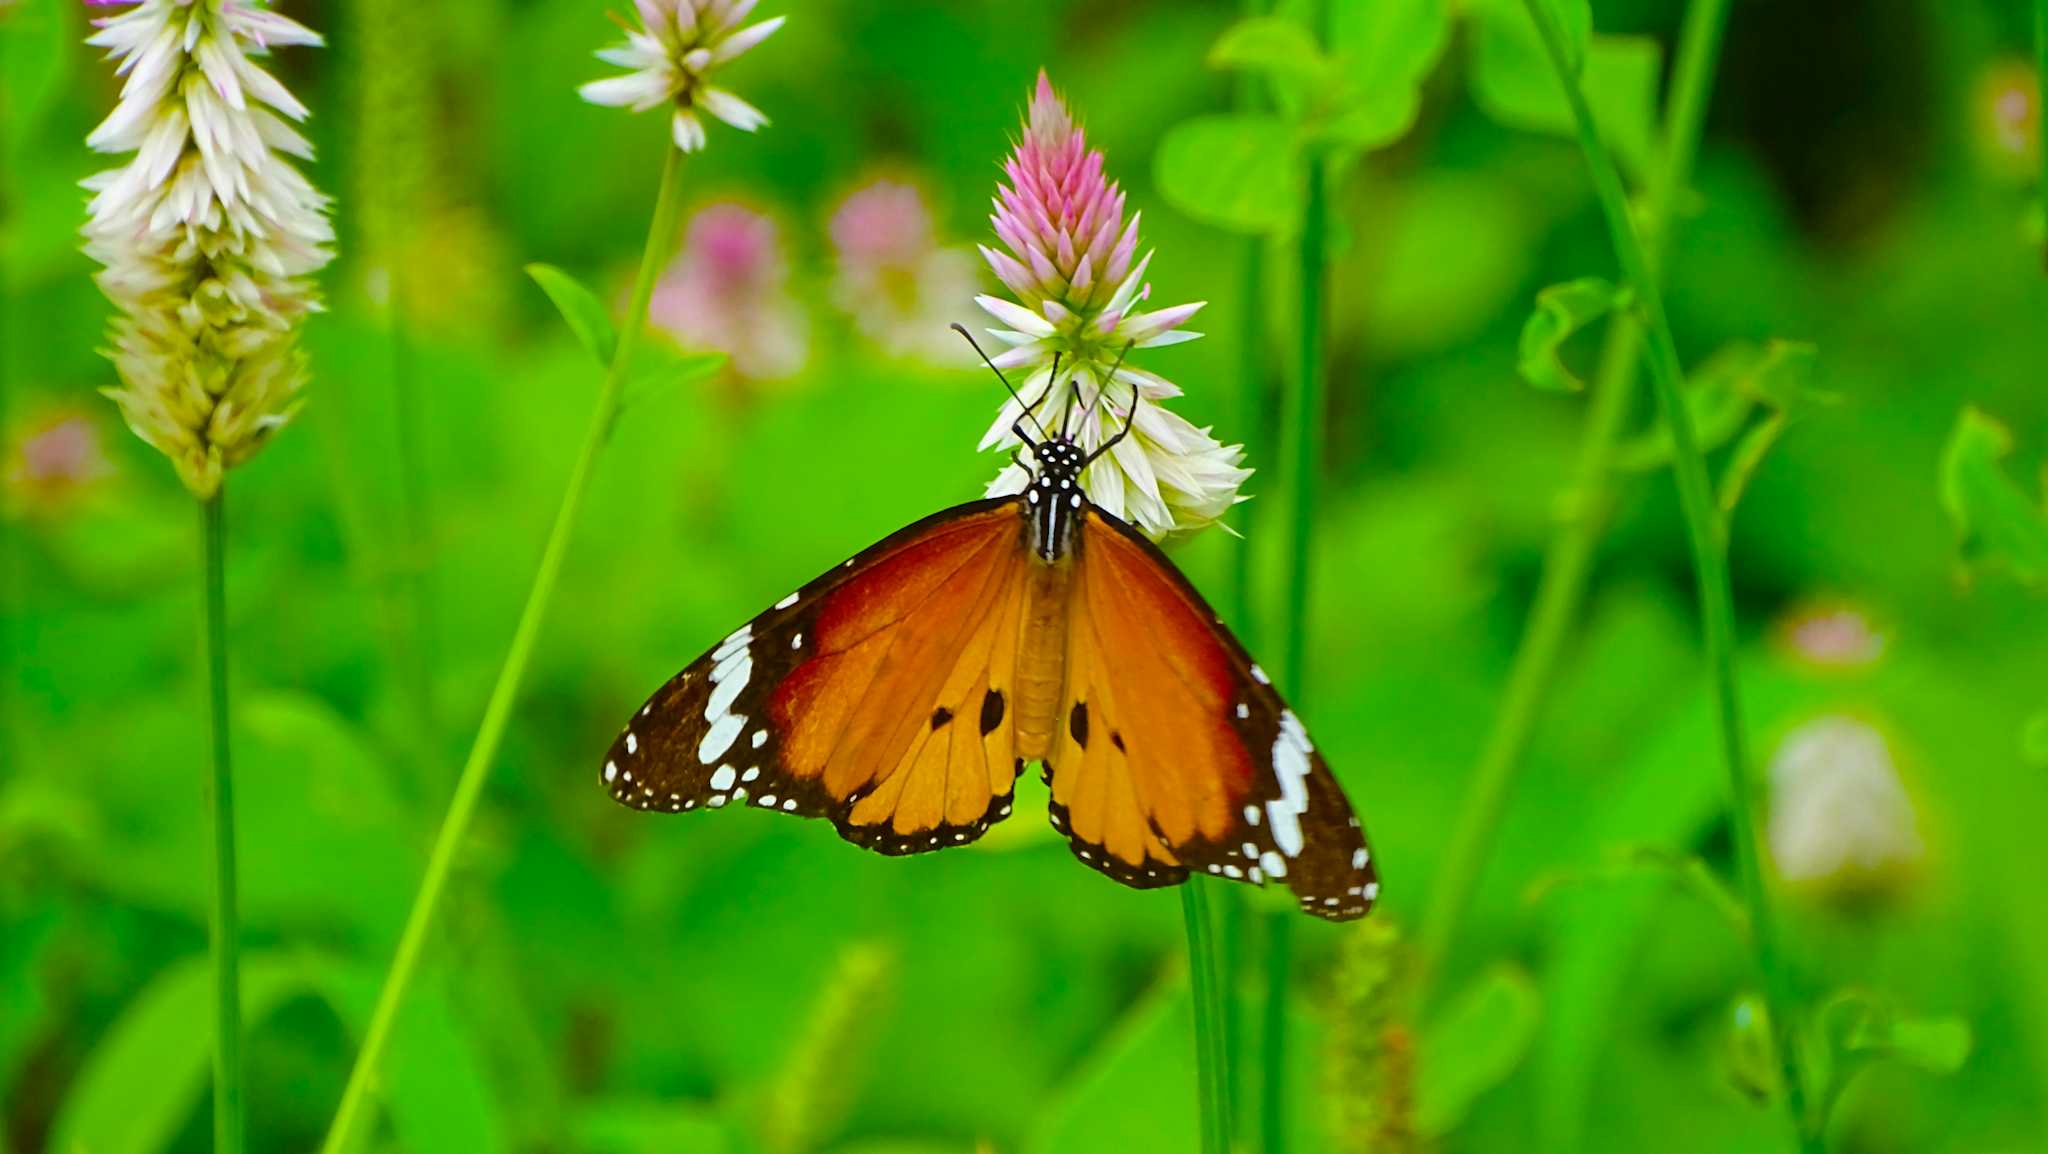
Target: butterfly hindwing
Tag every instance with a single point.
(875, 696)
(1177, 754)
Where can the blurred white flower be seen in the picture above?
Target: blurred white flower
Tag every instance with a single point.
(1073, 267)
(1840, 819)
(208, 235)
(902, 288)
(728, 291)
(670, 59)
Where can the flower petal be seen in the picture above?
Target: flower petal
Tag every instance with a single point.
(1016, 316)
(739, 42)
(731, 109)
(688, 131)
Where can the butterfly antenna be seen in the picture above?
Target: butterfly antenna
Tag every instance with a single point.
(1007, 387)
(1106, 446)
(1109, 380)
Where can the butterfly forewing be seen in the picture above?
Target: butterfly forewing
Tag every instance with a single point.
(1178, 754)
(874, 696)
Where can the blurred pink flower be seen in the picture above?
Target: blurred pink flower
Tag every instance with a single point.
(54, 460)
(1834, 634)
(902, 288)
(2005, 119)
(728, 291)
(1072, 266)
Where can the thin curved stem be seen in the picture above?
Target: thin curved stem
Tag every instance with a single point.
(1567, 563)
(230, 1118)
(498, 713)
(1707, 534)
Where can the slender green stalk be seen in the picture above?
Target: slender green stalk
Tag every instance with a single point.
(1255, 421)
(1568, 561)
(224, 935)
(660, 239)
(1707, 534)
(1304, 432)
(1212, 1087)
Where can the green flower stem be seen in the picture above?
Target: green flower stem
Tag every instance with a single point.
(224, 932)
(1567, 563)
(660, 239)
(1255, 420)
(1304, 432)
(1707, 533)
(1211, 1053)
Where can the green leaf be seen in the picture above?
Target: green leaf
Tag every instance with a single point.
(1513, 80)
(1994, 520)
(580, 308)
(144, 1077)
(1561, 310)
(1242, 173)
(669, 370)
(1279, 48)
(1855, 1029)
(634, 1126)
(1753, 1063)
(1384, 49)
(433, 1085)
(1478, 1040)
(1721, 392)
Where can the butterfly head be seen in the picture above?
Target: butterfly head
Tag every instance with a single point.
(1053, 500)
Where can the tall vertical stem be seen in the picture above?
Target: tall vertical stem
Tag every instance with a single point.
(1707, 534)
(1212, 1084)
(1304, 433)
(224, 937)
(498, 713)
(2041, 109)
(1567, 563)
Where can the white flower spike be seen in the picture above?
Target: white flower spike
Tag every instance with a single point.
(209, 236)
(670, 58)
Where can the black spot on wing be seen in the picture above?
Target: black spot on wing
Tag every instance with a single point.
(992, 714)
(1077, 724)
(940, 717)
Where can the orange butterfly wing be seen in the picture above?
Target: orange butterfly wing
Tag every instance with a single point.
(1176, 753)
(876, 696)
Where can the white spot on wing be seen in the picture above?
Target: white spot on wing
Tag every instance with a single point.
(1259, 675)
(722, 778)
(760, 738)
(632, 743)
(1290, 769)
(719, 738)
(753, 771)
(1359, 858)
(611, 772)
(1251, 814)
(738, 640)
(1274, 865)
(786, 602)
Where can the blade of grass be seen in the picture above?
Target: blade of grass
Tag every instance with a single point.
(1707, 535)
(223, 929)
(1567, 563)
(498, 713)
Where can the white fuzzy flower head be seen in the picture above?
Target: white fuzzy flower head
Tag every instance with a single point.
(1841, 823)
(208, 234)
(1073, 267)
(670, 58)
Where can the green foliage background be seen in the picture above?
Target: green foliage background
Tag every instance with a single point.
(606, 982)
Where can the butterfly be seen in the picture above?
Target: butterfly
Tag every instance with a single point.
(901, 694)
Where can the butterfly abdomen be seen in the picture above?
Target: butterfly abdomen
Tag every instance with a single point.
(1042, 657)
